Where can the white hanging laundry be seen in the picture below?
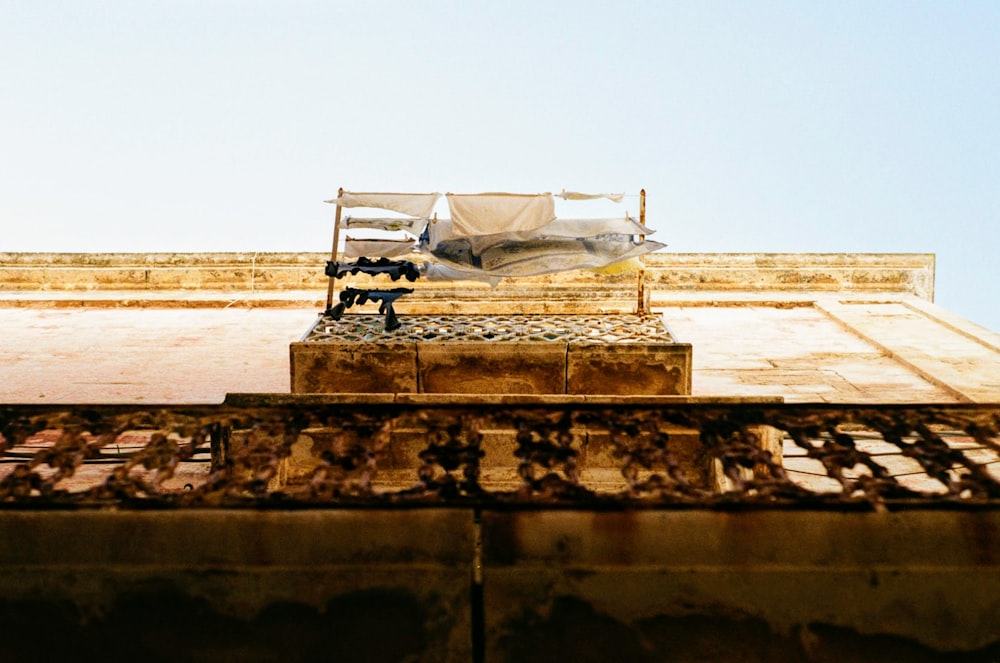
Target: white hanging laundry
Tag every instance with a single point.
(544, 255)
(412, 225)
(378, 248)
(547, 256)
(437, 272)
(413, 204)
(575, 195)
(621, 225)
(444, 230)
(485, 213)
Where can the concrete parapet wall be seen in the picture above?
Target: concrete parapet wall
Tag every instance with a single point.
(908, 273)
(269, 272)
(161, 271)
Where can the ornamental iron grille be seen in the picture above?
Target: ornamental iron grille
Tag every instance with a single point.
(279, 451)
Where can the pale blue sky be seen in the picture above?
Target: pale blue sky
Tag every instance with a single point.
(754, 126)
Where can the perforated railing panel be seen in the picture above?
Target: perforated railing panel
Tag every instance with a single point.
(286, 450)
(498, 328)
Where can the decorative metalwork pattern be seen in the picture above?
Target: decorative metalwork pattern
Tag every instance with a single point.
(283, 450)
(497, 328)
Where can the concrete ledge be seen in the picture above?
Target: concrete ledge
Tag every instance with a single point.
(911, 273)
(162, 299)
(431, 400)
(25, 277)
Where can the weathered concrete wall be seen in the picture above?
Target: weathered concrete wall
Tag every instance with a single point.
(376, 585)
(748, 586)
(236, 586)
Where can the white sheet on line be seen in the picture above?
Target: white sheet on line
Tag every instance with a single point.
(433, 271)
(412, 225)
(412, 204)
(486, 213)
(576, 195)
(378, 248)
(443, 230)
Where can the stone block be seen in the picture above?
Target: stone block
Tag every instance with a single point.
(684, 444)
(396, 467)
(499, 446)
(405, 447)
(492, 368)
(331, 367)
(662, 369)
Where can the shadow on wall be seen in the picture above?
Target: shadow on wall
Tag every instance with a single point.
(573, 631)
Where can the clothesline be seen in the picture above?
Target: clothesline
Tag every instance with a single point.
(356, 198)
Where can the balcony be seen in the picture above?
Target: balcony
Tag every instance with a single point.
(502, 528)
(827, 491)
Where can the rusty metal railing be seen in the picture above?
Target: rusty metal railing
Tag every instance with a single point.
(383, 450)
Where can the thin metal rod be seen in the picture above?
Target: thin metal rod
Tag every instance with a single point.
(333, 251)
(641, 286)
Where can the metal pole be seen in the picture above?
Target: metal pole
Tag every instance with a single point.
(641, 287)
(333, 251)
